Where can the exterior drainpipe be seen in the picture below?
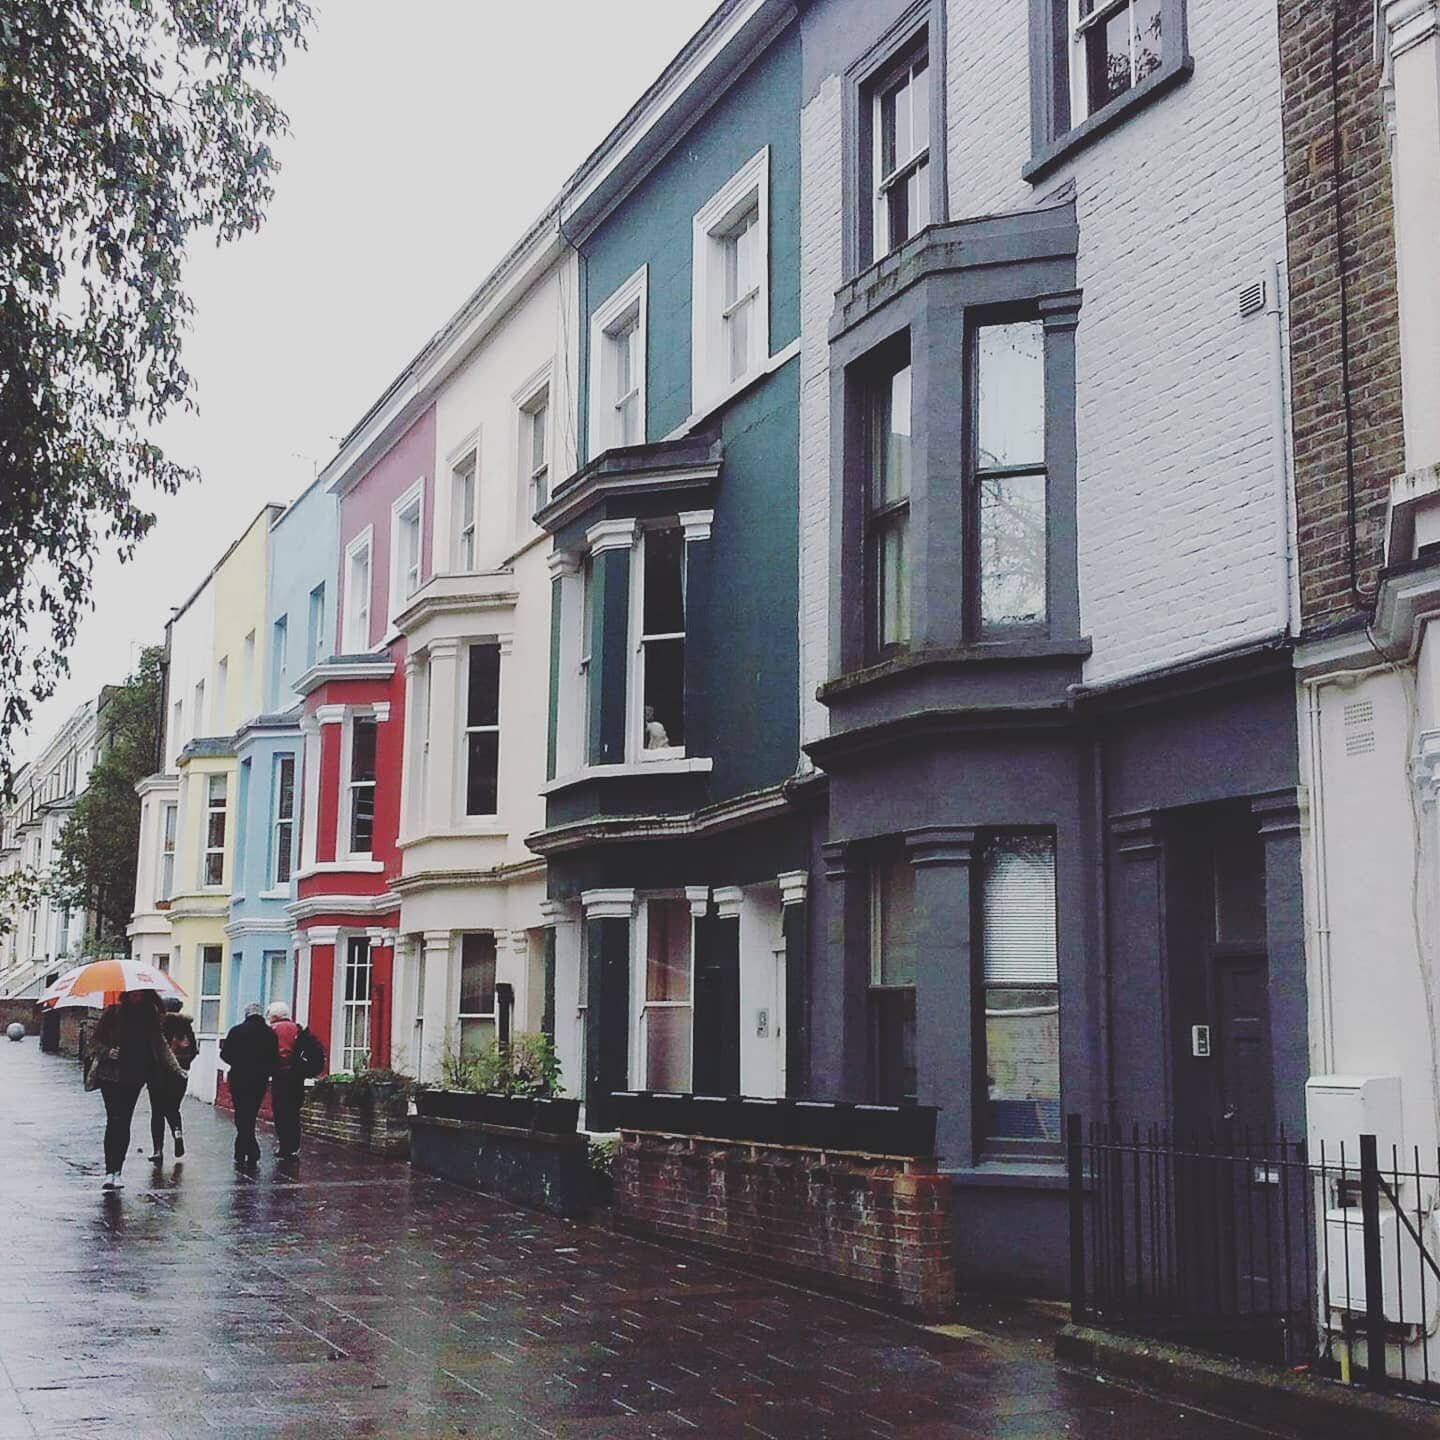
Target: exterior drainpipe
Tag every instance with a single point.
(1102, 924)
(1279, 456)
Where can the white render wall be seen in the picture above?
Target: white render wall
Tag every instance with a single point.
(1179, 207)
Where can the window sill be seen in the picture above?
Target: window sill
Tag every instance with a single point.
(358, 866)
(1172, 73)
(992, 652)
(629, 771)
(491, 830)
(280, 893)
(711, 404)
(1009, 1175)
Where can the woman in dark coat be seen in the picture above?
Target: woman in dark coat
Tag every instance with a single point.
(127, 1050)
(167, 1090)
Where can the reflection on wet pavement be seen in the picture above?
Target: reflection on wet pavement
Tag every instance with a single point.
(342, 1296)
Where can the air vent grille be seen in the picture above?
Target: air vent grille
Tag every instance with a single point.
(1252, 298)
(1359, 718)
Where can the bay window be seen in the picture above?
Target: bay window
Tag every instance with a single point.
(1010, 482)
(661, 643)
(893, 1078)
(887, 449)
(482, 730)
(213, 858)
(477, 1016)
(355, 1005)
(665, 1013)
(282, 848)
(360, 788)
(1019, 984)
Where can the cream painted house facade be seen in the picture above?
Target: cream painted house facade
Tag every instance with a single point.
(471, 956)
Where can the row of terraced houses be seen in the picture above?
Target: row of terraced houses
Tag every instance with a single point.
(908, 582)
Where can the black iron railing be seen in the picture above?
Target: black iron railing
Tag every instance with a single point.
(1250, 1246)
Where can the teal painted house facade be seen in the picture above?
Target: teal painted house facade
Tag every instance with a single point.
(270, 751)
(672, 846)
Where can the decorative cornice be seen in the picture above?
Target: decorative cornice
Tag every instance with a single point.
(254, 925)
(793, 885)
(1135, 835)
(697, 524)
(1279, 812)
(456, 594)
(560, 912)
(699, 899)
(417, 881)
(358, 905)
(329, 715)
(842, 859)
(629, 829)
(342, 667)
(684, 470)
(562, 563)
(611, 535)
(940, 845)
(611, 904)
(157, 785)
(728, 899)
(438, 940)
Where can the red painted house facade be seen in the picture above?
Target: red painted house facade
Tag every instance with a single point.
(346, 911)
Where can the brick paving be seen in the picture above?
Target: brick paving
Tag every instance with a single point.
(347, 1297)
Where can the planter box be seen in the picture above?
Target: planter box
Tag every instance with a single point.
(549, 1116)
(376, 1121)
(902, 1130)
(531, 1167)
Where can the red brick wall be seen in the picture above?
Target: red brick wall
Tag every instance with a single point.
(1366, 223)
(875, 1227)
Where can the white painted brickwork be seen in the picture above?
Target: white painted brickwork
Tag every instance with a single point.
(820, 277)
(1179, 207)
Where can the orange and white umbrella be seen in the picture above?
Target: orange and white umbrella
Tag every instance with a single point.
(103, 982)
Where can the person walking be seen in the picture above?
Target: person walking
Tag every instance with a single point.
(287, 1088)
(127, 1051)
(168, 1090)
(252, 1053)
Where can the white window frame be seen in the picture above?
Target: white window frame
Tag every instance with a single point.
(629, 300)
(493, 1015)
(640, 959)
(349, 786)
(279, 823)
(209, 997)
(287, 961)
(531, 477)
(206, 848)
(248, 675)
(315, 625)
(712, 227)
(881, 181)
(635, 689)
(467, 730)
(169, 826)
(357, 616)
(199, 729)
(353, 1012)
(466, 526)
(1080, 24)
(406, 578)
(279, 657)
(222, 689)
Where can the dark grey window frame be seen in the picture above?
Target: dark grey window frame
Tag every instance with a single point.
(877, 368)
(884, 58)
(939, 285)
(1052, 138)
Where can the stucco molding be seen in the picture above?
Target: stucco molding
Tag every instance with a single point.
(611, 535)
(1279, 812)
(455, 594)
(329, 715)
(793, 886)
(562, 563)
(1425, 768)
(1409, 23)
(699, 899)
(842, 859)
(696, 524)
(162, 784)
(366, 667)
(560, 912)
(359, 906)
(940, 845)
(321, 935)
(438, 941)
(254, 925)
(1136, 835)
(463, 877)
(608, 904)
(728, 900)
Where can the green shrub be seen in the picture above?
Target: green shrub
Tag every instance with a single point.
(528, 1067)
(366, 1084)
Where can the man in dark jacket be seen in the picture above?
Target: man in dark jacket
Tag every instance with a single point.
(251, 1052)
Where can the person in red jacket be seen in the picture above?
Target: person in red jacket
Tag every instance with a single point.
(287, 1088)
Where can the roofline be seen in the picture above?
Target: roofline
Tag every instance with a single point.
(265, 509)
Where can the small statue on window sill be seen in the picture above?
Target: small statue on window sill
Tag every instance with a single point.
(656, 736)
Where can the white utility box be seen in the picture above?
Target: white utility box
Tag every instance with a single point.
(1339, 1109)
(1411, 1298)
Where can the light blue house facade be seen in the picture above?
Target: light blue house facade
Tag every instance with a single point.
(270, 748)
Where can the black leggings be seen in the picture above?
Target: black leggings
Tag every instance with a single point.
(120, 1100)
(166, 1094)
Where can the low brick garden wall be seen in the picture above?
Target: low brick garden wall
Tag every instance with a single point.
(22, 1012)
(379, 1124)
(874, 1226)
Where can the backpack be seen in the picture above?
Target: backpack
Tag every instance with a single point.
(309, 1060)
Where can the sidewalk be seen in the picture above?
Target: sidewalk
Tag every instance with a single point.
(350, 1298)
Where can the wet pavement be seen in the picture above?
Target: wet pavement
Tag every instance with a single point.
(347, 1297)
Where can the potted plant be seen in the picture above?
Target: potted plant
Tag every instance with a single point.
(512, 1085)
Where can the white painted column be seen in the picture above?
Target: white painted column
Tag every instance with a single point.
(563, 917)
(436, 1037)
(444, 787)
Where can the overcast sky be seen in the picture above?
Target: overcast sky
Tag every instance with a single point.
(420, 151)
